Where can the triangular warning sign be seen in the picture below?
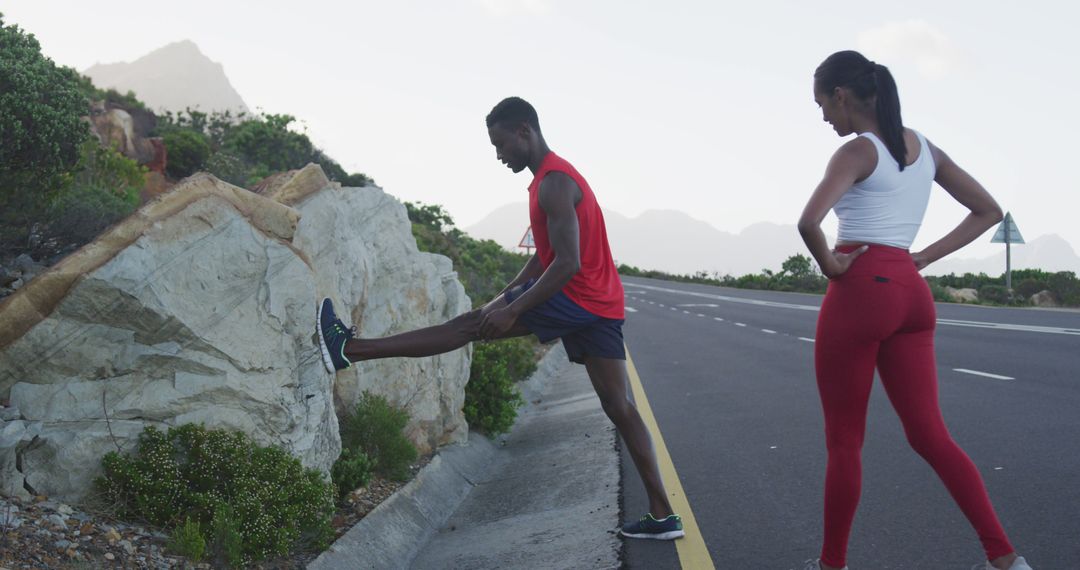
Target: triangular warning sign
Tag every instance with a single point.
(1007, 232)
(527, 239)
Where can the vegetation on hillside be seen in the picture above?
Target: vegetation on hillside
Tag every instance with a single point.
(242, 149)
(59, 189)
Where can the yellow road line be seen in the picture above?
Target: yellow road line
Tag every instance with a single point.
(693, 555)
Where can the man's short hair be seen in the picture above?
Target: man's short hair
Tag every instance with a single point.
(513, 111)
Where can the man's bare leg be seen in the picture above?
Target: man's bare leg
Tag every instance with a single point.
(609, 379)
(429, 341)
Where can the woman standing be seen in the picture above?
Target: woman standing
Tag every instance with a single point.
(878, 311)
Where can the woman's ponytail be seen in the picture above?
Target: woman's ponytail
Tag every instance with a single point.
(867, 79)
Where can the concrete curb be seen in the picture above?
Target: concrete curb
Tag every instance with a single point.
(392, 534)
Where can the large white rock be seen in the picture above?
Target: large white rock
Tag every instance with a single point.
(359, 241)
(201, 308)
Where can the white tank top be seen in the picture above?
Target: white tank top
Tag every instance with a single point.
(887, 207)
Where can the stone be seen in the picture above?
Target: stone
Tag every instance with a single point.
(200, 307)
(965, 295)
(24, 263)
(1044, 298)
(360, 245)
(57, 521)
(9, 413)
(6, 277)
(110, 556)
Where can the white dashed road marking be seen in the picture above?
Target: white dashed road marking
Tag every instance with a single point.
(814, 308)
(984, 374)
(806, 339)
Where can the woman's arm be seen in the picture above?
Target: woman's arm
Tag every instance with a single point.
(852, 162)
(985, 211)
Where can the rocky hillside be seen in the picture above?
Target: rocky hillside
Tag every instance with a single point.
(200, 307)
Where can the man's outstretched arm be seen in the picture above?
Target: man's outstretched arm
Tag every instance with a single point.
(558, 196)
(532, 270)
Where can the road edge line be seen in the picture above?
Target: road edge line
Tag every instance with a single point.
(693, 554)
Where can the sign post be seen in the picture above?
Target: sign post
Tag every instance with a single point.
(1008, 234)
(527, 241)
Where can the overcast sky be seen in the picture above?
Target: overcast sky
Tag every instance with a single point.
(704, 107)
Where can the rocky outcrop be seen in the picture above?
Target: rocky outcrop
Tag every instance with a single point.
(360, 243)
(1044, 298)
(200, 307)
(966, 295)
(128, 131)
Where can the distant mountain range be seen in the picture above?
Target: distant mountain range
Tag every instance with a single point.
(675, 242)
(172, 78)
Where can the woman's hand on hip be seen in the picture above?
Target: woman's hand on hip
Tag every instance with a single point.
(841, 262)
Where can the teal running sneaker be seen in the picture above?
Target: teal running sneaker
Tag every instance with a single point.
(668, 528)
(333, 334)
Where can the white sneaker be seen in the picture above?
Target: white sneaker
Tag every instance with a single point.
(1018, 564)
(815, 564)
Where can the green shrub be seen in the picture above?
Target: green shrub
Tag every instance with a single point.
(228, 541)
(483, 266)
(187, 540)
(938, 291)
(994, 294)
(491, 398)
(187, 152)
(1065, 287)
(103, 191)
(351, 471)
(192, 471)
(41, 128)
(375, 428)
(1028, 287)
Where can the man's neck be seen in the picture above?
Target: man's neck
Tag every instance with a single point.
(538, 155)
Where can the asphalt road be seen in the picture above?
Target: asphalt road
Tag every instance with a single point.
(729, 375)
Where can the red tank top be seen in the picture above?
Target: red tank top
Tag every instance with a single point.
(596, 287)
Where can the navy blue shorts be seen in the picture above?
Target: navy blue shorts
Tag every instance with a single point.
(583, 334)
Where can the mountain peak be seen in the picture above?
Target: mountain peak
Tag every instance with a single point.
(173, 77)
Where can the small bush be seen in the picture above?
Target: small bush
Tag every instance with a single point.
(192, 472)
(351, 471)
(939, 292)
(187, 540)
(994, 294)
(375, 428)
(227, 539)
(1028, 287)
(104, 191)
(187, 152)
(491, 398)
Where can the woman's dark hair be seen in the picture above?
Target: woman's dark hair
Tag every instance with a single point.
(867, 79)
(515, 111)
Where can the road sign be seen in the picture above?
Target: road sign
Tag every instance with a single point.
(1007, 232)
(527, 240)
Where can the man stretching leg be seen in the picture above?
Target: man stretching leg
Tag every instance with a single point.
(569, 290)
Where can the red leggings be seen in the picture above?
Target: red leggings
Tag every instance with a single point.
(880, 313)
